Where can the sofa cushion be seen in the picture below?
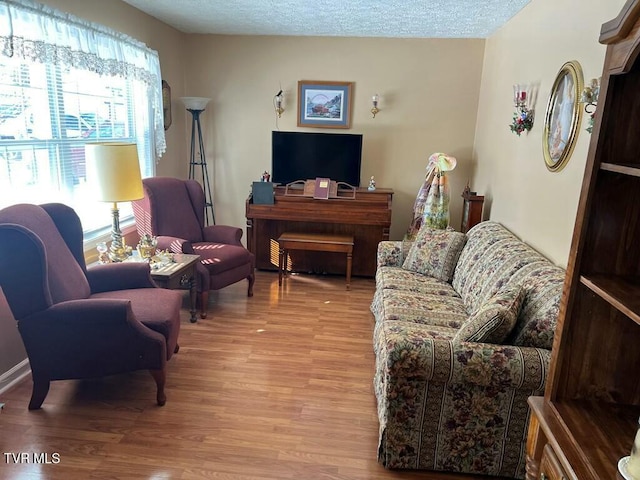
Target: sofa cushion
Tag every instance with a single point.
(435, 253)
(492, 266)
(395, 278)
(494, 320)
(425, 309)
(536, 323)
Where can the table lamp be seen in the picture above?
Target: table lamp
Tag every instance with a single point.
(114, 171)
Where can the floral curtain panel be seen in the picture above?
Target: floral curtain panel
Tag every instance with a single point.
(36, 32)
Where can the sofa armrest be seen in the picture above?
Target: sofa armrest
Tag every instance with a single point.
(223, 234)
(506, 366)
(392, 253)
(408, 353)
(175, 244)
(119, 276)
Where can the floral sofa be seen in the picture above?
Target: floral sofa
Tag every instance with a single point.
(452, 392)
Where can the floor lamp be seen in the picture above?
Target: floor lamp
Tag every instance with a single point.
(113, 170)
(195, 106)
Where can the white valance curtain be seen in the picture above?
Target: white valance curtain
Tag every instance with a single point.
(36, 32)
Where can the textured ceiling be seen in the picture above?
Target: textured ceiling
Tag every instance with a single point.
(344, 18)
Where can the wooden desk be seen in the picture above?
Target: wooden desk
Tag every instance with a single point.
(367, 218)
(316, 243)
(179, 275)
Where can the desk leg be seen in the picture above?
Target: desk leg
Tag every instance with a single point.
(190, 281)
(280, 266)
(193, 294)
(349, 262)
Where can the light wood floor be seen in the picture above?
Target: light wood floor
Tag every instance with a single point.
(274, 387)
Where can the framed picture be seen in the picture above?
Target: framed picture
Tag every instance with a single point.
(324, 104)
(166, 104)
(563, 116)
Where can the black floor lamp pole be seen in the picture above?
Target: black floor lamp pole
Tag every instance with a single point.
(198, 159)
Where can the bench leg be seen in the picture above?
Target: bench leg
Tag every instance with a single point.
(280, 265)
(349, 262)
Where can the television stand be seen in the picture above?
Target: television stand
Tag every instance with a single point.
(367, 218)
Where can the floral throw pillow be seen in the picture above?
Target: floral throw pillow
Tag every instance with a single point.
(435, 253)
(493, 321)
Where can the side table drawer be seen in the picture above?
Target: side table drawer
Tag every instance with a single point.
(550, 468)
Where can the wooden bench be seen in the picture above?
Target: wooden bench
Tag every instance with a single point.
(319, 242)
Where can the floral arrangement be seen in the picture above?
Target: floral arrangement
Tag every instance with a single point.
(591, 122)
(522, 120)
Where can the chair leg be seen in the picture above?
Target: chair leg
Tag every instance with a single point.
(39, 392)
(204, 304)
(252, 279)
(160, 376)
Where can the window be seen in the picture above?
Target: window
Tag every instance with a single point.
(55, 99)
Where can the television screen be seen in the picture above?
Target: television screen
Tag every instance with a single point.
(306, 156)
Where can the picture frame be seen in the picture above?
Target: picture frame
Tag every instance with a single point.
(324, 104)
(166, 104)
(563, 116)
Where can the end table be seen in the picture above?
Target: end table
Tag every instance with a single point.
(180, 274)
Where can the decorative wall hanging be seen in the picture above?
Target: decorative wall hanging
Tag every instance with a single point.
(563, 116)
(523, 116)
(589, 98)
(324, 104)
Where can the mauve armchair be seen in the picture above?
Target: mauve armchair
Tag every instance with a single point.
(172, 210)
(77, 323)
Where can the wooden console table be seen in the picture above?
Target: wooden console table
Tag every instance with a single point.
(367, 218)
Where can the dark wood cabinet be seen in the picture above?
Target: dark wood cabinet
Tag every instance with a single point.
(367, 218)
(588, 415)
(471, 209)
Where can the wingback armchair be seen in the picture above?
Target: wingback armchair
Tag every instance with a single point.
(76, 322)
(172, 210)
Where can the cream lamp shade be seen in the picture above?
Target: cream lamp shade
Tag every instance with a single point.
(114, 171)
(195, 103)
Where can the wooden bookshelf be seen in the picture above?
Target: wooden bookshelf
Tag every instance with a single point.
(588, 417)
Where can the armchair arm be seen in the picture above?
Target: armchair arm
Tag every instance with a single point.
(175, 244)
(392, 253)
(90, 337)
(406, 351)
(222, 234)
(119, 276)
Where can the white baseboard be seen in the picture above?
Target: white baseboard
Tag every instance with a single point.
(15, 375)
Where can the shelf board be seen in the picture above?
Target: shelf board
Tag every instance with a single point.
(623, 293)
(592, 435)
(628, 169)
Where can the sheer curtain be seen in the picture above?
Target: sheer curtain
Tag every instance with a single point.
(36, 32)
(66, 82)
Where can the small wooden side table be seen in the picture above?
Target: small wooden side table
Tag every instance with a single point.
(180, 274)
(319, 242)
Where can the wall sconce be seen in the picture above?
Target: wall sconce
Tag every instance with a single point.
(589, 97)
(278, 100)
(374, 101)
(523, 116)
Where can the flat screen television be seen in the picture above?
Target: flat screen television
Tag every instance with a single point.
(306, 156)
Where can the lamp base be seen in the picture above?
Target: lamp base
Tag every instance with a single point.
(118, 251)
(118, 254)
